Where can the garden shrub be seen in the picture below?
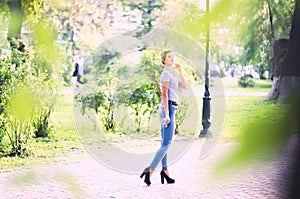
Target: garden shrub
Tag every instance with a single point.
(27, 97)
(245, 81)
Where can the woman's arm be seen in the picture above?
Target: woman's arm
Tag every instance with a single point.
(165, 98)
(182, 83)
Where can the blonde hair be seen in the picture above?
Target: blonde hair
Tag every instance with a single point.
(163, 55)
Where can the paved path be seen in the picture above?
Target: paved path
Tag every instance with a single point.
(87, 178)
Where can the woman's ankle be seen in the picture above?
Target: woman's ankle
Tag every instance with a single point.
(166, 172)
(150, 171)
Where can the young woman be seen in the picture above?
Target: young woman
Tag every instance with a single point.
(170, 82)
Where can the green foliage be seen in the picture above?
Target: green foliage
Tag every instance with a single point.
(103, 59)
(138, 91)
(21, 113)
(62, 141)
(28, 95)
(181, 113)
(10, 115)
(46, 51)
(261, 128)
(92, 101)
(151, 68)
(242, 111)
(241, 31)
(245, 81)
(41, 124)
(33, 9)
(45, 87)
(258, 32)
(189, 21)
(17, 57)
(261, 86)
(141, 92)
(102, 103)
(143, 100)
(70, 18)
(149, 11)
(5, 88)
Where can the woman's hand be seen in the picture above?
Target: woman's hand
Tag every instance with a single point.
(167, 119)
(178, 67)
(182, 80)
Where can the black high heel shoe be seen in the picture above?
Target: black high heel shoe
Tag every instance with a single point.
(146, 173)
(163, 175)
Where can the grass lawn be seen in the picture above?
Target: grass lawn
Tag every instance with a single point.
(231, 85)
(63, 140)
(244, 111)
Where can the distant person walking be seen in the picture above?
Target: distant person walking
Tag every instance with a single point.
(170, 82)
(78, 67)
(232, 72)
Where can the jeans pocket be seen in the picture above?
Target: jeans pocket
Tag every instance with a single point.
(161, 112)
(174, 110)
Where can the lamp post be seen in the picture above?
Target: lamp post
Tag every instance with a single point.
(206, 120)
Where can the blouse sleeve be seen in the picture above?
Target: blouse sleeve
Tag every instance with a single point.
(165, 77)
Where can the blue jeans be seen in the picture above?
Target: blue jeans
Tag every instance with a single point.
(166, 137)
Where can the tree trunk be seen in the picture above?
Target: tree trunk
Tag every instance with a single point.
(287, 64)
(274, 92)
(290, 83)
(293, 59)
(280, 49)
(15, 23)
(289, 86)
(290, 91)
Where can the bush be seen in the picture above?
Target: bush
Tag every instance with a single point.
(41, 124)
(2, 132)
(5, 87)
(245, 81)
(27, 97)
(181, 114)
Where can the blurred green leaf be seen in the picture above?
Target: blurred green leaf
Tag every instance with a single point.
(22, 104)
(262, 136)
(45, 38)
(26, 178)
